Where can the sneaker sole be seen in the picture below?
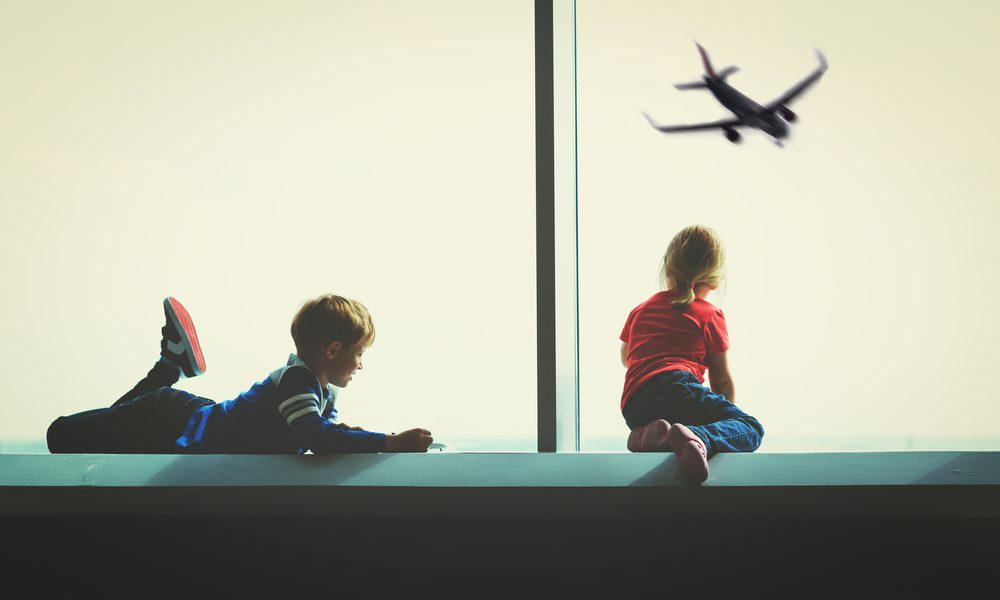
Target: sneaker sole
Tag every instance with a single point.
(651, 437)
(189, 337)
(687, 446)
(693, 465)
(633, 440)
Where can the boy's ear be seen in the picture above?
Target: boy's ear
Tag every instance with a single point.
(332, 349)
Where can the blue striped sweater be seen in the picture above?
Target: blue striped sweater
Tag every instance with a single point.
(289, 412)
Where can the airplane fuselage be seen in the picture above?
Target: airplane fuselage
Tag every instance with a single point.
(746, 110)
(772, 118)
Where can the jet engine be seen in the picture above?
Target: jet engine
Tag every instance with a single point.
(787, 114)
(732, 135)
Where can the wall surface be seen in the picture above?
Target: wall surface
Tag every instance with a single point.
(474, 525)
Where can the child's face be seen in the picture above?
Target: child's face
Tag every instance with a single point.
(345, 361)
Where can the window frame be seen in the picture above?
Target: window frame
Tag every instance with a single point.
(556, 227)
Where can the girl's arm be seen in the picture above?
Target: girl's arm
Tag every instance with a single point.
(718, 375)
(624, 354)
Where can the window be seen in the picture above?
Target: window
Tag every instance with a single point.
(861, 287)
(243, 158)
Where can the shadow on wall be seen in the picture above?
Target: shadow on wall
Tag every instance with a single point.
(974, 466)
(247, 469)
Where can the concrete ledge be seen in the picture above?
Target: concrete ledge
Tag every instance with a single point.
(499, 525)
(883, 485)
(455, 470)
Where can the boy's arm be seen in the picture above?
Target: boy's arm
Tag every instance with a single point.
(300, 408)
(299, 403)
(718, 375)
(325, 437)
(352, 428)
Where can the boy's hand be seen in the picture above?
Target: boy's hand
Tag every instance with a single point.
(411, 440)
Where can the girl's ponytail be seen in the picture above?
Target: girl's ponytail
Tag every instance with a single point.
(695, 256)
(685, 294)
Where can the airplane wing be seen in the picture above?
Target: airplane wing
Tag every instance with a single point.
(722, 124)
(799, 87)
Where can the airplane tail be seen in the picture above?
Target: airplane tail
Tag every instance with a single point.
(705, 61)
(709, 71)
(723, 74)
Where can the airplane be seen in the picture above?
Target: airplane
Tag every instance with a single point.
(771, 118)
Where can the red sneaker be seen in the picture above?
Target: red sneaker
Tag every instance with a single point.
(651, 437)
(179, 344)
(691, 454)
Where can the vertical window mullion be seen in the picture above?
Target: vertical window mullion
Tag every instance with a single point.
(556, 226)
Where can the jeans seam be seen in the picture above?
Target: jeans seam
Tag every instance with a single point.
(745, 434)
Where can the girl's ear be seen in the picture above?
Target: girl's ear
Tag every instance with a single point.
(332, 349)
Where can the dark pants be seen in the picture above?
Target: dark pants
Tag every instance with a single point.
(679, 397)
(146, 420)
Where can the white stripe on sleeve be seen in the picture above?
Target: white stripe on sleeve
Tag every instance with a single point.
(294, 399)
(305, 411)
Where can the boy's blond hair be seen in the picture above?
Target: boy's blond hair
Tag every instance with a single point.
(329, 318)
(694, 256)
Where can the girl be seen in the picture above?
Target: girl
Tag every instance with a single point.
(667, 344)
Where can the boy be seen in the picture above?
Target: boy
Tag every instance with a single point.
(289, 412)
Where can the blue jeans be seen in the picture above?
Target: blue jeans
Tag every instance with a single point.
(146, 420)
(678, 397)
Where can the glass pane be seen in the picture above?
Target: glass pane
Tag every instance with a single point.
(245, 157)
(861, 289)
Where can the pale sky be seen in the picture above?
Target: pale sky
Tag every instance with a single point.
(861, 289)
(243, 156)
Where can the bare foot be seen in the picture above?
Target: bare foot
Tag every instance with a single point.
(652, 437)
(690, 451)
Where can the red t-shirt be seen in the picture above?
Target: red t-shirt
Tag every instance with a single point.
(662, 338)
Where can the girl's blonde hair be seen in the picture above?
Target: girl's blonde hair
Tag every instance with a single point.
(326, 318)
(694, 256)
